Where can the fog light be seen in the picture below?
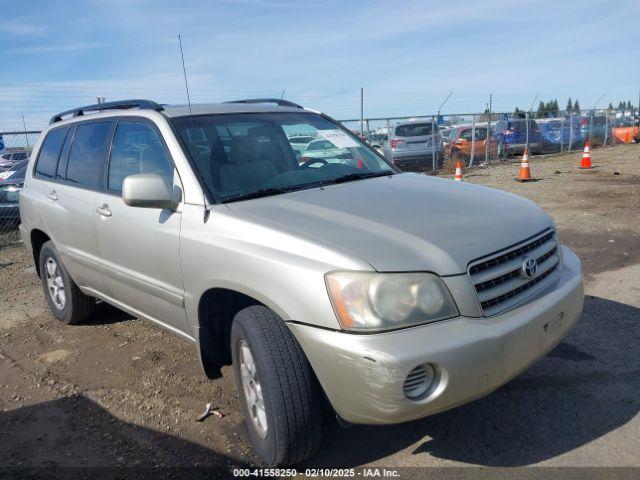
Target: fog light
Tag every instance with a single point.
(420, 381)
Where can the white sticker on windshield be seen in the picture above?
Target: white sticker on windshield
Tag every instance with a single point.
(338, 138)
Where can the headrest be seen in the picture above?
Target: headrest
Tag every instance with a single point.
(153, 160)
(245, 149)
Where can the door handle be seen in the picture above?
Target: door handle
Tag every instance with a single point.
(52, 195)
(104, 210)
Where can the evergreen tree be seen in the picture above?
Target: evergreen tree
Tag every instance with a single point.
(569, 106)
(576, 107)
(629, 106)
(540, 112)
(610, 107)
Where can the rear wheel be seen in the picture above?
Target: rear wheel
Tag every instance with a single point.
(278, 392)
(68, 304)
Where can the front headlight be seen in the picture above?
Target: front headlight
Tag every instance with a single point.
(371, 301)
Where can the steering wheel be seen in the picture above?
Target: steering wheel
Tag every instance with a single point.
(308, 163)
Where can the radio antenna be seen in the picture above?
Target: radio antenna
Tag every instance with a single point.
(184, 71)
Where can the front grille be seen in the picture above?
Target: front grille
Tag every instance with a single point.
(498, 280)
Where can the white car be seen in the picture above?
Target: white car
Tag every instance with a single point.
(322, 151)
(13, 169)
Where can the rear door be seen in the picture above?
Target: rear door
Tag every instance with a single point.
(139, 247)
(69, 187)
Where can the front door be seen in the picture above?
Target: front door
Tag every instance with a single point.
(139, 247)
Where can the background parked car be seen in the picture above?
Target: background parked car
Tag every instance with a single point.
(594, 129)
(461, 141)
(9, 172)
(299, 143)
(511, 136)
(9, 191)
(12, 157)
(377, 141)
(560, 133)
(624, 131)
(411, 146)
(325, 152)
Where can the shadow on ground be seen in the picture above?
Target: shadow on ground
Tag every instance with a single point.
(74, 437)
(106, 314)
(585, 388)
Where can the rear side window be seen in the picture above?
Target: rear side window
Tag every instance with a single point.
(414, 130)
(86, 160)
(137, 148)
(49, 153)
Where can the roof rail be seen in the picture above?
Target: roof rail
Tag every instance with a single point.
(117, 105)
(277, 101)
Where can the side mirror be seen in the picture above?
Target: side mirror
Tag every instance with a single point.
(147, 190)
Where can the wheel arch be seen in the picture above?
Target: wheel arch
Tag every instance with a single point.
(38, 238)
(217, 307)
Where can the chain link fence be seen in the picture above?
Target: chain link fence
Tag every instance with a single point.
(15, 149)
(427, 143)
(422, 143)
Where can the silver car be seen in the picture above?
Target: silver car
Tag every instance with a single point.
(327, 288)
(414, 146)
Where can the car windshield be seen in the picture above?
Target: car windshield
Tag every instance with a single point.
(242, 156)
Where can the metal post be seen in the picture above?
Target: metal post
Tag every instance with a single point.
(606, 128)
(590, 125)
(570, 130)
(473, 139)
(433, 143)
(561, 134)
(361, 112)
(526, 116)
(388, 142)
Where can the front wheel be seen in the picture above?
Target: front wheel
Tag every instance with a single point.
(278, 392)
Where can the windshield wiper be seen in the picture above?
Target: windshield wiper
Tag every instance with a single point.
(356, 176)
(263, 192)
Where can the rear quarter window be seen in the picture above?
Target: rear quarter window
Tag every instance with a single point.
(49, 153)
(87, 156)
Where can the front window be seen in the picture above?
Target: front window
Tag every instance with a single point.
(242, 156)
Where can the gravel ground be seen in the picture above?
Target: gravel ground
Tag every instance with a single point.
(117, 391)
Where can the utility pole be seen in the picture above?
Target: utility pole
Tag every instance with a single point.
(487, 145)
(443, 102)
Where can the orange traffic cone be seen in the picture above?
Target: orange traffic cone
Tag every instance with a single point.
(525, 171)
(586, 157)
(458, 176)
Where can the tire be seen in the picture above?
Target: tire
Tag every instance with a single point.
(290, 393)
(72, 306)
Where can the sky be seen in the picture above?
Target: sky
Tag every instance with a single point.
(406, 55)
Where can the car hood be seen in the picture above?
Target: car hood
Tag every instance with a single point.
(404, 222)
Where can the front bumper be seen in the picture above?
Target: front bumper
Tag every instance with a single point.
(363, 374)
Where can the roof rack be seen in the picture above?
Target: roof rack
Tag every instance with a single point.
(117, 105)
(277, 101)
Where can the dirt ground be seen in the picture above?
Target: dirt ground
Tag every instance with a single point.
(117, 391)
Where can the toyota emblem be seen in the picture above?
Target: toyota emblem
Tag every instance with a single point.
(529, 267)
